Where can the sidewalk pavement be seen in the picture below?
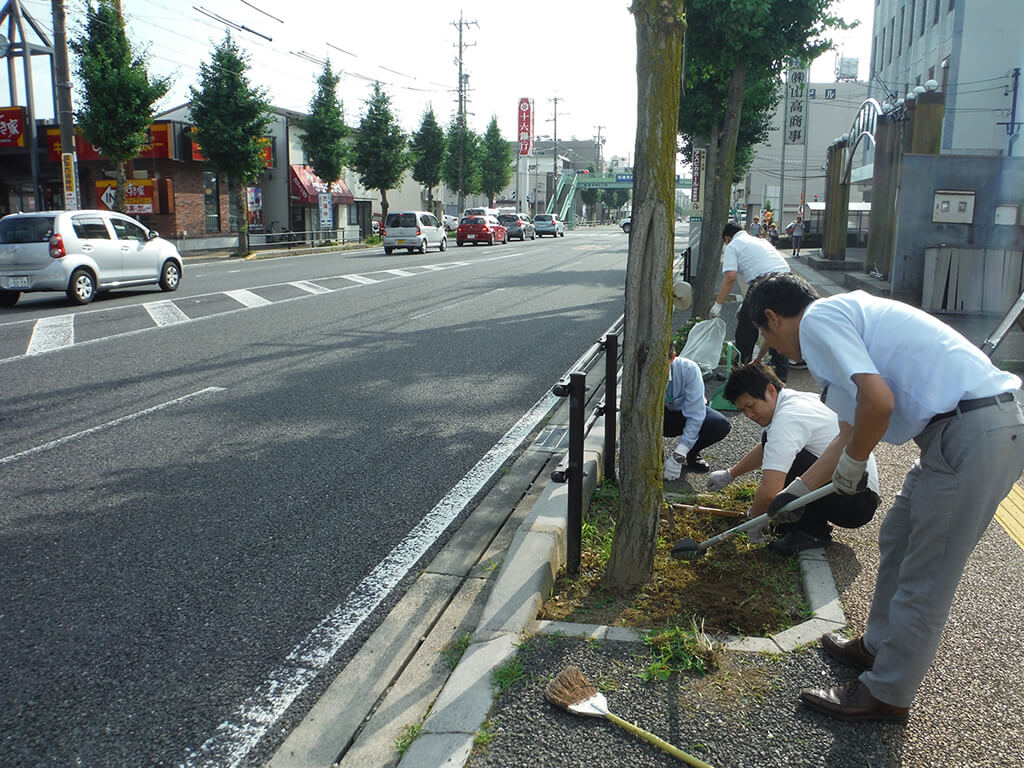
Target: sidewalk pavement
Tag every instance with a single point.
(482, 594)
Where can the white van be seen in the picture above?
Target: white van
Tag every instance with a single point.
(414, 231)
(480, 212)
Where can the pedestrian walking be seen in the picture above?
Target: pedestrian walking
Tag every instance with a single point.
(688, 417)
(755, 228)
(747, 257)
(798, 234)
(798, 428)
(895, 373)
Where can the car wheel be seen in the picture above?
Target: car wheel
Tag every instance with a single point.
(9, 298)
(423, 245)
(411, 250)
(444, 244)
(81, 287)
(170, 276)
(625, 228)
(458, 243)
(388, 251)
(562, 233)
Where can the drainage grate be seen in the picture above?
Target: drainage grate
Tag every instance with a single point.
(552, 439)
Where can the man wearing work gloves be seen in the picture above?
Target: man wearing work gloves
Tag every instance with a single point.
(896, 373)
(798, 429)
(688, 417)
(748, 257)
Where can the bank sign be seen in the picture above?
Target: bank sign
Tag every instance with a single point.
(525, 130)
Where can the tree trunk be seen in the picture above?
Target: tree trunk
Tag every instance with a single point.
(719, 171)
(383, 205)
(122, 182)
(648, 323)
(243, 221)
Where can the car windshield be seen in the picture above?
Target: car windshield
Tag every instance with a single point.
(508, 219)
(542, 217)
(401, 220)
(26, 229)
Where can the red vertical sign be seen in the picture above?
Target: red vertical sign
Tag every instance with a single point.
(525, 132)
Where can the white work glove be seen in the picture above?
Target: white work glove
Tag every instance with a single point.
(673, 468)
(718, 480)
(715, 311)
(848, 474)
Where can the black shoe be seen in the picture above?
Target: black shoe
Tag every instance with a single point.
(697, 464)
(796, 541)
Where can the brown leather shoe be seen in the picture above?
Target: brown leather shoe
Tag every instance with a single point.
(852, 701)
(850, 652)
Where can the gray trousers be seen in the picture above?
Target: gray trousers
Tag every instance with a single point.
(968, 464)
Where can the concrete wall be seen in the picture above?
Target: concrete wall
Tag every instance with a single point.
(992, 179)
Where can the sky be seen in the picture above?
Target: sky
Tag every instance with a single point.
(580, 52)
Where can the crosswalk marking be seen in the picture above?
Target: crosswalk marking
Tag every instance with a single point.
(361, 279)
(165, 312)
(400, 273)
(247, 298)
(52, 333)
(308, 287)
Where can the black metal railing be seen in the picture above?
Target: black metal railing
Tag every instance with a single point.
(574, 386)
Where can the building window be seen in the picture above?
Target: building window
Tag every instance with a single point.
(935, 19)
(881, 51)
(924, 14)
(899, 40)
(910, 24)
(931, 73)
(952, 4)
(211, 201)
(876, 64)
(892, 30)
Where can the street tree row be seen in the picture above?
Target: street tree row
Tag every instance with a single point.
(231, 116)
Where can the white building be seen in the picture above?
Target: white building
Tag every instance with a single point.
(970, 48)
(831, 108)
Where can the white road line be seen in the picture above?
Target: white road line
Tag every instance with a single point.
(62, 440)
(248, 298)
(433, 267)
(362, 280)
(51, 333)
(165, 312)
(236, 737)
(308, 287)
(399, 272)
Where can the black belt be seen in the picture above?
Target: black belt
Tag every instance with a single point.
(970, 405)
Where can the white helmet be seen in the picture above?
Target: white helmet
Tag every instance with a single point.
(682, 294)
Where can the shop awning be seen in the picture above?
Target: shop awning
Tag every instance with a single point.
(306, 187)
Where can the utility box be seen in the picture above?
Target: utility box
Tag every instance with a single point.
(953, 207)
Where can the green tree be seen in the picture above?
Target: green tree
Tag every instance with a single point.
(427, 146)
(325, 129)
(495, 162)
(381, 152)
(648, 317)
(735, 51)
(117, 93)
(230, 118)
(461, 171)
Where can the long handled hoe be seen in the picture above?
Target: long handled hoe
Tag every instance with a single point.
(571, 691)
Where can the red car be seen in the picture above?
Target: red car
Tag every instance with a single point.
(480, 229)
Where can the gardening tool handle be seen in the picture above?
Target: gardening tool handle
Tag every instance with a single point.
(650, 738)
(796, 503)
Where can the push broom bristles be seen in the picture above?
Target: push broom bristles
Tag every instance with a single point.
(571, 691)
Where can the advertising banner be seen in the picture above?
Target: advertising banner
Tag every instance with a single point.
(138, 195)
(700, 157)
(12, 127)
(525, 131)
(795, 116)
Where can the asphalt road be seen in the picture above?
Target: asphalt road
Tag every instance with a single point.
(209, 503)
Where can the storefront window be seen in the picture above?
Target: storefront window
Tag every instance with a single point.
(211, 201)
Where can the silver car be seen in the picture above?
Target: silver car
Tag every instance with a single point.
(80, 253)
(548, 224)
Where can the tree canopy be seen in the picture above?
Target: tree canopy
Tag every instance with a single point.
(461, 171)
(381, 154)
(117, 93)
(427, 147)
(495, 162)
(325, 129)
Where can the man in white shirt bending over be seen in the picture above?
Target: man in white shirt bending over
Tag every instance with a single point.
(798, 429)
(896, 373)
(747, 257)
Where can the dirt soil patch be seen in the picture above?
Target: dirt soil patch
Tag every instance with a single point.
(737, 588)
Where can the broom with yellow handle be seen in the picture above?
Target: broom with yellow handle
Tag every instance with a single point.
(571, 691)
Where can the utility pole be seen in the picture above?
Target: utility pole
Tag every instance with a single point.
(65, 117)
(461, 114)
(1013, 127)
(557, 169)
(600, 148)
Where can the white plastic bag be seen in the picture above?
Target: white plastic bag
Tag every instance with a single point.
(704, 344)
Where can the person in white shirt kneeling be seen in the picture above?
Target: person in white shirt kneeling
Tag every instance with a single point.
(688, 417)
(798, 429)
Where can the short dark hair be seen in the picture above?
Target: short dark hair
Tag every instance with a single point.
(751, 379)
(730, 230)
(785, 293)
